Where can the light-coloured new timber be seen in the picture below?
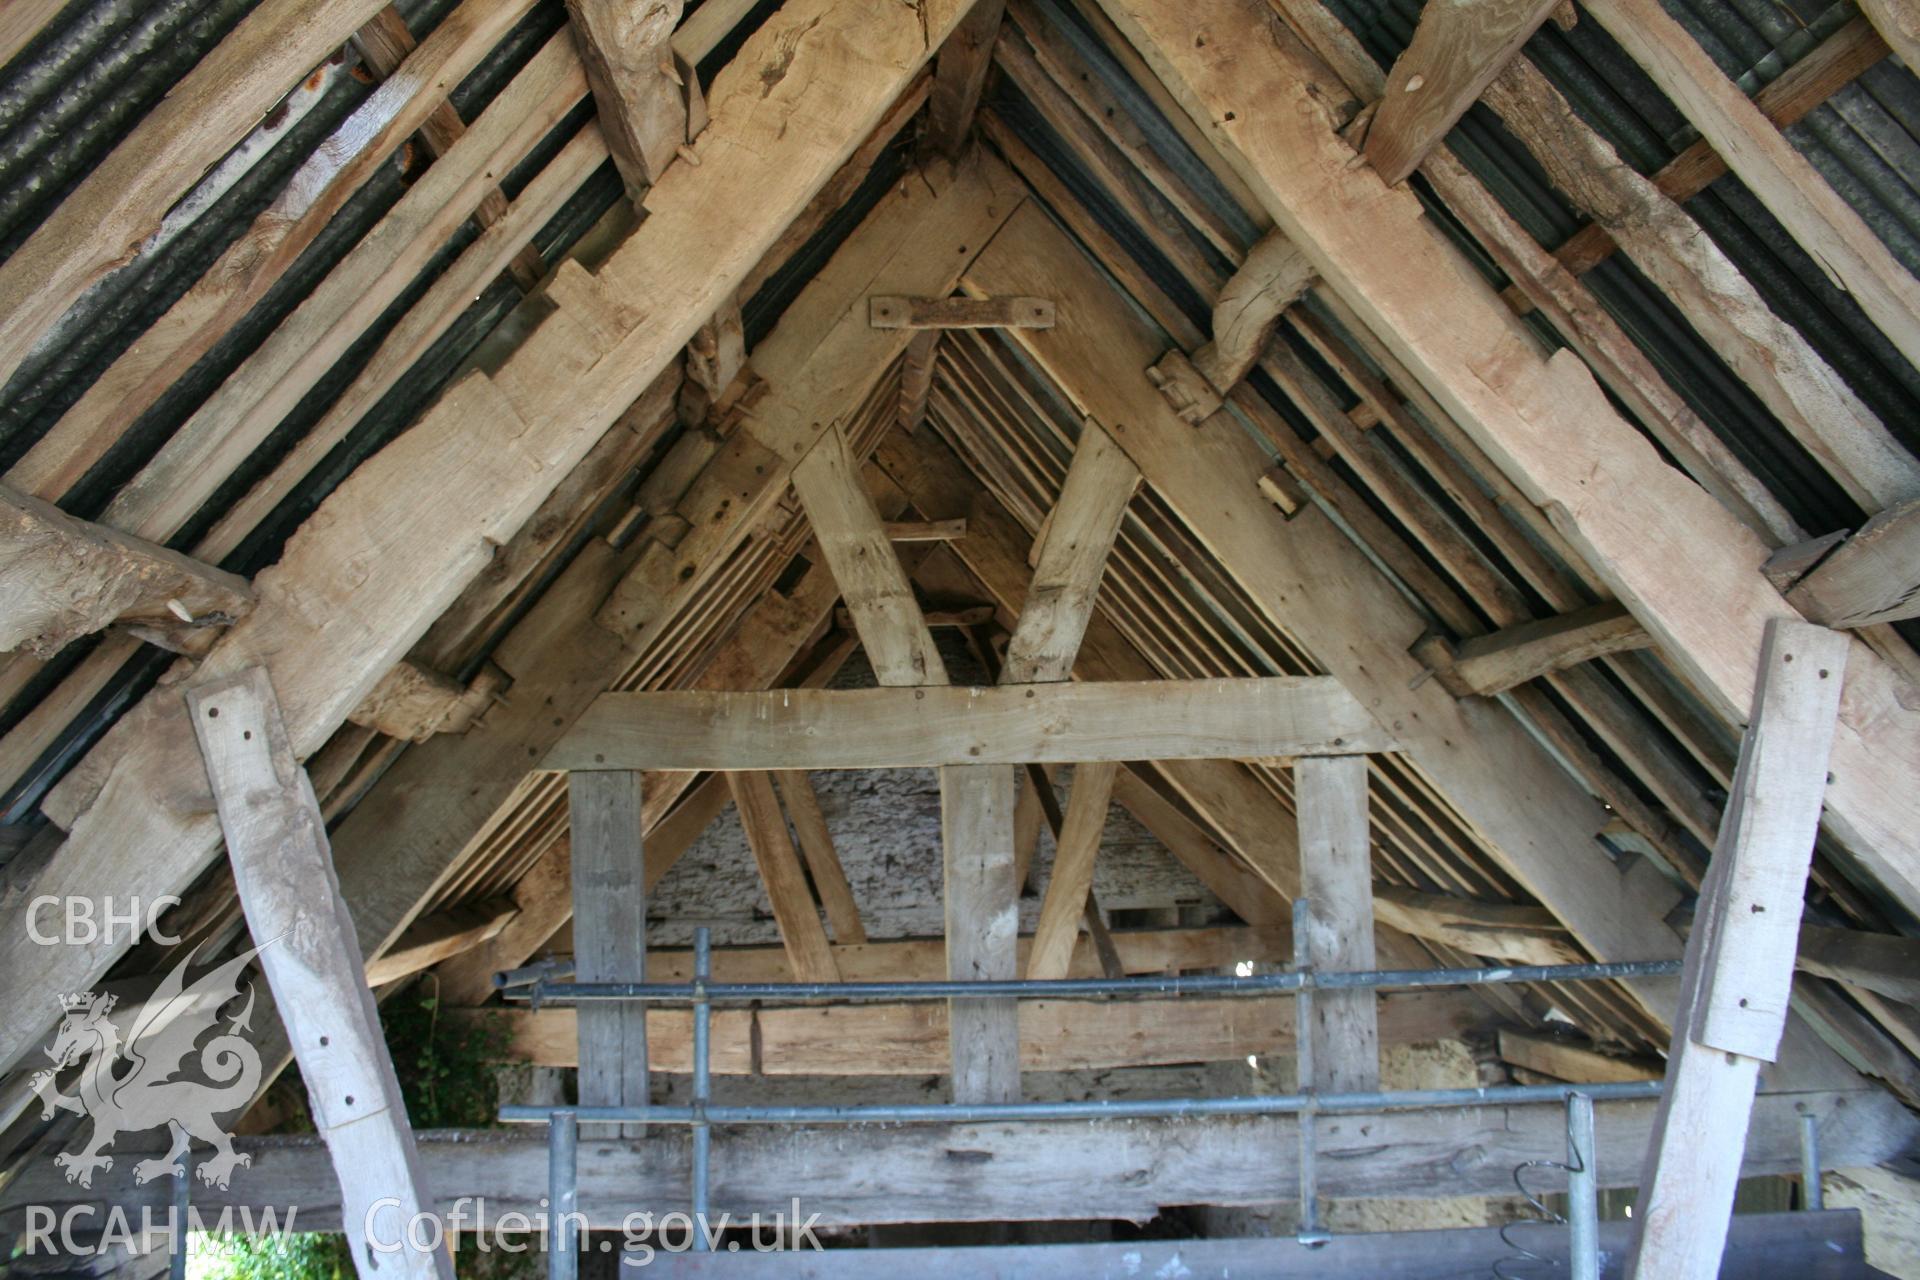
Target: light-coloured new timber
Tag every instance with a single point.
(1009, 724)
(1739, 959)
(63, 578)
(432, 939)
(898, 642)
(913, 1039)
(283, 872)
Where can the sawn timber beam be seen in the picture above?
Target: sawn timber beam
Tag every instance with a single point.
(938, 725)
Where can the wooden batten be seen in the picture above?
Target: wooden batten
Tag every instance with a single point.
(960, 313)
(1456, 52)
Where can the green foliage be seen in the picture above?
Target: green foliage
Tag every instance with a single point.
(446, 1068)
(295, 1256)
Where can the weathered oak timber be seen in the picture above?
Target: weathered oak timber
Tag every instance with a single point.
(1336, 880)
(103, 223)
(609, 934)
(960, 313)
(959, 75)
(1543, 422)
(1494, 663)
(940, 725)
(1874, 576)
(1125, 1170)
(385, 554)
(283, 872)
(1739, 962)
(629, 62)
(62, 578)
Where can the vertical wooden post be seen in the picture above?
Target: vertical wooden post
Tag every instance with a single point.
(1336, 878)
(1738, 973)
(983, 928)
(976, 802)
(283, 871)
(609, 935)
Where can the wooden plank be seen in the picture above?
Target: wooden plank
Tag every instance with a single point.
(786, 884)
(925, 530)
(1739, 959)
(959, 76)
(1853, 257)
(1563, 1060)
(1456, 51)
(1898, 25)
(1810, 398)
(283, 871)
(23, 22)
(103, 222)
(404, 103)
(609, 936)
(1495, 930)
(915, 1039)
(384, 44)
(1069, 1170)
(1763, 1247)
(886, 312)
(1011, 724)
(1874, 576)
(65, 578)
(441, 936)
(816, 843)
(1079, 534)
(983, 1043)
(1543, 422)
(230, 424)
(1882, 962)
(896, 637)
(1336, 879)
(1140, 951)
(329, 632)
(1072, 876)
(629, 63)
(1494, 663)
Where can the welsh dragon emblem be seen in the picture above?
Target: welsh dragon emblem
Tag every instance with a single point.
(128, 1066)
